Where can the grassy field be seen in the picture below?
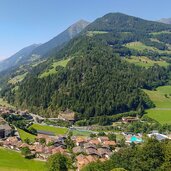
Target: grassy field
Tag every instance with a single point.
(55, 130)
(159, 98)
(92, 33)
(161, 32)
(81, 133)
(162, 116)
(62, 63)
(145, 62)
(13, 161)
(24, 135)
(17, 79)
(140, 47)
(162, 99)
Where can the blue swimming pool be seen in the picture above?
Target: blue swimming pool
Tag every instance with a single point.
(135, 139)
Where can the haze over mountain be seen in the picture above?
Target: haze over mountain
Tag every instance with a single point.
(165, 20)
(35, 51)
(62, 38)
(17, 58)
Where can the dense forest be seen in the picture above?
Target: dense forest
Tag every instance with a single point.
(97, 81)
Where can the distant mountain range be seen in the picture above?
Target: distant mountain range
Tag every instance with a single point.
(61, 39)
(36, 51)
(17, 58)
(165, 20)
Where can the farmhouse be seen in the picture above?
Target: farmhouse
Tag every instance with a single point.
(129, 119)
(67, 116)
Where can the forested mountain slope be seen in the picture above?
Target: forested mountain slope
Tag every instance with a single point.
(97, 80)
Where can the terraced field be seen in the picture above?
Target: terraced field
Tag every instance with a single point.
(162, 99)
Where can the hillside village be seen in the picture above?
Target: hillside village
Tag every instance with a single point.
(85, 149)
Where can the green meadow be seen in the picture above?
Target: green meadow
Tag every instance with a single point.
(24, 135)
(162, 99)
(14, 161)
(51, 71)
(145, 62)
(139, 46)
(55, 130)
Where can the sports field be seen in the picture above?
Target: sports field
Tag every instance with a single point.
(55, 130)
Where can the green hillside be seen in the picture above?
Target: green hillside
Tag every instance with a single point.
(162, 99)
(98, 76)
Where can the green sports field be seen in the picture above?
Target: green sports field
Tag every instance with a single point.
(13, 161)
(162, 99)
(55, 130)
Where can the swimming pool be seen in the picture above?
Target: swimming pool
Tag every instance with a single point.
(135, 139)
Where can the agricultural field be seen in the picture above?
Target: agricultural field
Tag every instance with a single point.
(140, 47)
(161, 32)
(55, 130)
(13, 161)
(92, 33)
(62, 63)
(145, 62)
(24, 135)
(162, 99)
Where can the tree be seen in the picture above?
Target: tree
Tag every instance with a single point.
(42, 141)
(112, 137)
(25, 151)
(57, 162)
(27, 140)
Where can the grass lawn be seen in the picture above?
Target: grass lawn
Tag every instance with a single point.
(162, 116)
(24, 135)
(145, 62)
(158, 97)
(62, 63)
(56, 130)
(81, 133)
(13, 161)
(162, 112)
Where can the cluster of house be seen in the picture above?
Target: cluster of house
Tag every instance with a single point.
(40, 150)
(86, 149)
(92, 149)
(5, 129)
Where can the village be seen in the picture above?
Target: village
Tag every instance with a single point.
(85, 149)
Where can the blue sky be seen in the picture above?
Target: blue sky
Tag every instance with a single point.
(24, 22)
